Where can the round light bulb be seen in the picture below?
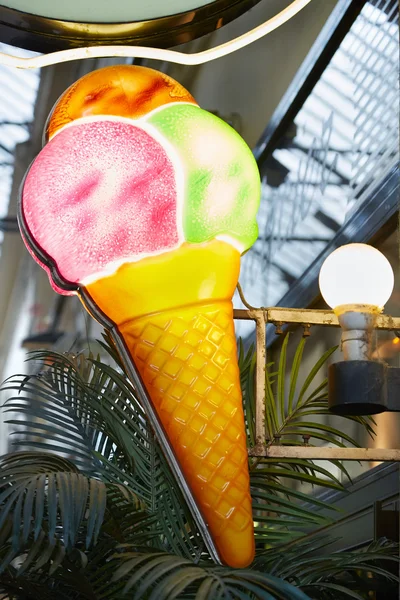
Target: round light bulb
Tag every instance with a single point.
(356, 274)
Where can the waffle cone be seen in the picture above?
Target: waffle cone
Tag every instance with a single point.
(186, 356)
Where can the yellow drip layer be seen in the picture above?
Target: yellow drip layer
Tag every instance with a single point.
(190, 274)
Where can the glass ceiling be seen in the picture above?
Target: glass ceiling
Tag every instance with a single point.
(18, 90)
(343, 142)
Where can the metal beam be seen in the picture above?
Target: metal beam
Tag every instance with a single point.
(323, 453)
(261, 354)
(328, 41)
(280, 315)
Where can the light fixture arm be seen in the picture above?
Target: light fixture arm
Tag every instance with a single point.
(296, 316)
(357, 330)
(172, 56)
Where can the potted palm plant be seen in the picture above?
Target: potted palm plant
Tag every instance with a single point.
(90, 510)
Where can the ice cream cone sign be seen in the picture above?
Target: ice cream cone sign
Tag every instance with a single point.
(142, 203)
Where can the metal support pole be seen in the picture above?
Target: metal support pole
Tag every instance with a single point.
(260, 379)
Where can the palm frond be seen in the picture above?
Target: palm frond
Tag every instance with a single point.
(155, 576)
(42, 491)
(305, 564)
(287, 414)
(98, 422)
(103, 517)
(247, 365)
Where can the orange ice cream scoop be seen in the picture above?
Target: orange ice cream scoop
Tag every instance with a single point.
(124, 90)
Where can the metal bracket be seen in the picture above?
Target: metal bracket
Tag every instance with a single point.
(308, 317)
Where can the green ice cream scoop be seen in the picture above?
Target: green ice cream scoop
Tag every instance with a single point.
(221, 177)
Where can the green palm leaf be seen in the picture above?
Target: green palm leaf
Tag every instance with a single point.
(247, 365)
(169, 577)
(40, 490)
(295, 372)
(285, 417)
(99, 414)
(305, 563)
(281, 379)
(288, 415)
(104, 517)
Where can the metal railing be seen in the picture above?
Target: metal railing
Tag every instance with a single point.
(306, 317)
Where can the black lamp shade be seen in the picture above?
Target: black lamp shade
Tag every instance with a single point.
(357, 387)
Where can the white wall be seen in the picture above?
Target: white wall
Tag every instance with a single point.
(22, 283)
(252, 81)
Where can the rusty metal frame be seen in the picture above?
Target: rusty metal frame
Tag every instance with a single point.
(306, 317)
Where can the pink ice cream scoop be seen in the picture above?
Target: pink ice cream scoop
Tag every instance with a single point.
(99, 194)
(53, 284)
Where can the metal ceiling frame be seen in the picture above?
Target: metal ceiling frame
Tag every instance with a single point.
(332, 34)
(376, 211)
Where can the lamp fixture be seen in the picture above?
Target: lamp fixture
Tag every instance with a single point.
(356, 281)
(140, 51)
(358, 277)
(357, 385)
